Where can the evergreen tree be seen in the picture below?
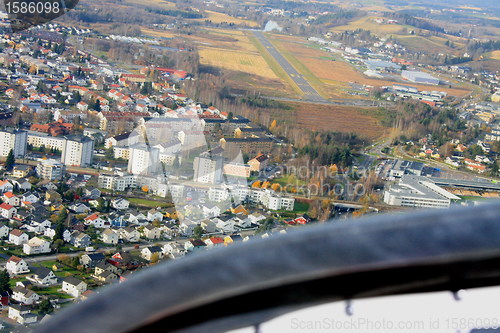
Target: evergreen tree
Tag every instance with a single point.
(4, 282)
(11, 161)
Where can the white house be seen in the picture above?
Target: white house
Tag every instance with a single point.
(154, 215)
(24, 295)
(120, 203)
(73, 286)
(151, 232)
(36, 246)
(96, 221)
(21, 314)
(109, 236)
(11, 199)
(129, 234)
(30, 197)
(43, 276)
(7, 211)
(6, 186)
(148, 252)
(4, 231)
(18, 237)
(16, 266)
(39, 227)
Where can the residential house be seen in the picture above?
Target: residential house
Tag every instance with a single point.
(214, 241)
(120, 203)
(43, 276)
(7, 211)
(232, 239)
(124, 260)
(11, 199)
(20, 171)
(74, 286)
(36, 245)
(147, 253)
(22, 184)
(18, 237)
(21, 314)
(16, 266)
(80, 208)
(258, 163)
(53, 196)
(96, 221)
(30, 197)
(106, 277)
(173, 250)
(105, 272)
(6, 186)
(210, 210)
(24, 295)
(80, 239)
(208, 226)
(194, 245)
(109, 236)
(91, 260)
(187, 227)
(129, 234)
(39, 225)
(92, 192)
(4, 230)
(154, 215)
(151, 232)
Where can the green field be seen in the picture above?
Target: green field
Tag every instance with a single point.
(149, 203)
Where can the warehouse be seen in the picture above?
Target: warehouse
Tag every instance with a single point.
(419, 77)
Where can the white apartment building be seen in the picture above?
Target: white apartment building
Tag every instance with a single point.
(50, 169)
(208, 169)
(38, 140)
(144, 160)
(78, 151)
(417, 191)
(15, 140)
(117, 182)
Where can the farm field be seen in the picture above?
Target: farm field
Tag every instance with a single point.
(338, 118)
(219, 18)
(236, 61)
(495, 55)
(368, 23)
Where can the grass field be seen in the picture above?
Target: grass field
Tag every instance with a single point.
(251, 63)
(368, 23)
(339, 118)
(157, 33)
(149, 203)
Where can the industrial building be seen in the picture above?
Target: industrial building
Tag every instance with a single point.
(419, 77)
(416, 191)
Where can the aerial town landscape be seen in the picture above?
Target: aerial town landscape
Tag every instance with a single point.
(138, 132)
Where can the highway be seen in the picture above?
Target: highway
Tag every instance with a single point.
(299, 80)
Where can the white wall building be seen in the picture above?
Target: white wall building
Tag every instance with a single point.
(143, 160)
(38, 140)
(78, 151)
(415, 191)
(208, 169)
(50, 169)
(16, 140)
